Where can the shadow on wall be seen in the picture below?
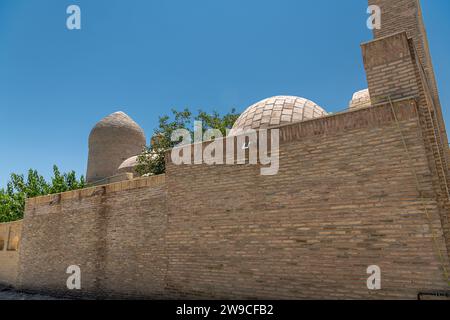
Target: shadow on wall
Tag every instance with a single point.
(13, 244)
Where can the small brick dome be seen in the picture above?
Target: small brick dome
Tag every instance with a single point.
(113, 140)
(360, 99)
(277, 111)
(128, 165)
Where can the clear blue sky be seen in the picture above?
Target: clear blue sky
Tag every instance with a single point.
(146, 56)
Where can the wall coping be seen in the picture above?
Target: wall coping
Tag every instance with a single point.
(138, 183)
(10, 223)
(386, 50)
(372, 116)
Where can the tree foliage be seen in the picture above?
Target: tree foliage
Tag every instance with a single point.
(19, 188)
(152, 160)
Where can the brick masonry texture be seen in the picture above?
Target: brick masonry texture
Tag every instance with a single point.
(114, 233)
(113, 140)
(9, 252)
(344, 199)
(406, 15)
(393, 71)
(364, 187)
(389, 68)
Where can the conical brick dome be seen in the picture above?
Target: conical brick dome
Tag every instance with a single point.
(113, 140)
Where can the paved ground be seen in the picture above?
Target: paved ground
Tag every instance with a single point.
(7, 294)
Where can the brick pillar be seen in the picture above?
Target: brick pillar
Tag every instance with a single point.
(390, 68)
(406, 15)
(393, 70)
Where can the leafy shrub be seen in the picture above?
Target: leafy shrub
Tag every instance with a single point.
(12, 199)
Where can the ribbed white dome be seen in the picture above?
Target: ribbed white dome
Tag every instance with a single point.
(360, 99)
(275, 111)
(128, 165)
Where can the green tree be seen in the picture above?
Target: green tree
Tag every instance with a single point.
(12, 199)
(152, 160)
(65, 182)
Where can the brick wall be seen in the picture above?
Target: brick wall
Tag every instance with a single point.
(344, 199)
(406, 15)
(394, 70)
(10, 234)
(389, 68)
(114, 233)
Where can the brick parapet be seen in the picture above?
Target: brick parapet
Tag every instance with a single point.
(333, 124)
(137, 183)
